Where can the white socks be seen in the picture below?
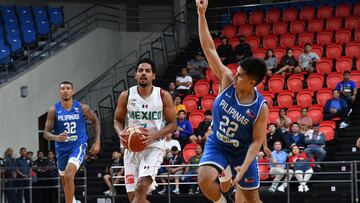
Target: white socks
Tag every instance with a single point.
(221, 200)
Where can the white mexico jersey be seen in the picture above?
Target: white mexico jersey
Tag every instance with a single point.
(146, 112)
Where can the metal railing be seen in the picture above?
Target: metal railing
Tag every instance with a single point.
(342, 172)
(33, 183)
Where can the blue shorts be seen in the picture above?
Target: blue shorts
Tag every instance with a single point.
(215, 154)
(75, 156)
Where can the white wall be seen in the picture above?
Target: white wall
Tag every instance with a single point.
(81, 63)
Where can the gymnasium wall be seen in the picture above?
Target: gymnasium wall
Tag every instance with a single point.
(82, 62)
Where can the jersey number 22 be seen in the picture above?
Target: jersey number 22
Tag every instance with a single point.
(227, 127)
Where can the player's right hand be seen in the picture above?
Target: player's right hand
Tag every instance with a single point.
(61, 137)
(201, 6)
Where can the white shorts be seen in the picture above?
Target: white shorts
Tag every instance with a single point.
(142, 164)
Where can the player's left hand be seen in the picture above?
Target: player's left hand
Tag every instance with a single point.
(95, 148)
(150, 136)
(239, 175)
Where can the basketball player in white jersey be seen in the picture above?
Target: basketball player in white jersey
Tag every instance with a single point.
(152, 108)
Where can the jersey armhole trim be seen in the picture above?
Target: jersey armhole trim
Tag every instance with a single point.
(162, 94)
(259, 112)
(127, 98)
(226, 88)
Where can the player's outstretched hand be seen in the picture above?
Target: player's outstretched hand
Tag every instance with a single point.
(239, 175)
(150, 137)
(358, 143)
(95, 148)
(201, 6)
(267, 152)
(62, 137)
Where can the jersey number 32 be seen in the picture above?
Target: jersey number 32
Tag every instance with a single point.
(70, 127)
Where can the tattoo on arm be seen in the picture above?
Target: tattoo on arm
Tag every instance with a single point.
(94, 119)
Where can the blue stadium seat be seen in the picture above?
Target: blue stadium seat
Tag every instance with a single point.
(4, 55)
(15, 43)
(56, 16)
(27, 24)
(24, 13)
(43, 27)
(40, 13)
(29, 36)
(8, 12)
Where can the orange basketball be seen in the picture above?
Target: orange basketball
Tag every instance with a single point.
(133, 136)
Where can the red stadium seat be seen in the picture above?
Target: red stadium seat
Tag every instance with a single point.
(304, 98)
(343, 36)
(352, 22)
(333, 23)
(210, 75)
(217, 42)
(229, 31)
(323, 96)
(260, 86)
(305, 37)
(352, 49)
(343, 10)
(294, 113)
(191, 103)
(276, 84)
(357, 35)
(285, 99)
(262, 29)
(315, 112)
(329, 132)
(280, 28)
(273, 16)
(270, 41)
(324, 38)
(264, 168)
(324, 66)
(290, 14)
(234, 42)
(333, 51)
(307, 13)
(246, 30)
(273, 114)
(201, 88)
(358, 64)
(256, 17)
(315, 81)
(331, 124)
(279, 53)
(269, 97)
(357, 9)
(196, 118)
(297, 51)
(332, 79)
(239, 19)
(189, 151)
(207, 102)
(315, 25)
(297, 26)
(318, 50)
(295, 82)
(324, 12)
(215, 87)
(253, 41)
(355, 76)
(287, 40)
(259, 53)
(343, 63)
(233, 67)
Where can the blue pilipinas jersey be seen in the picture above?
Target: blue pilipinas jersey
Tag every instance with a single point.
(73, 123)
(233, 122)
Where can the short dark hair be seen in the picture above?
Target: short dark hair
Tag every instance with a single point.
(271, 124)
(307, 44)
(347, 71)
(255, 68)
(182, 111)
(174, 148)
(149, 61)
(294, 123)
(66, 83)
(22, 148)
(30, 152)
(288, 49)
(208, 113)
(277, 141)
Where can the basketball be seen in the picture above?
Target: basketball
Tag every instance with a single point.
(133, 137)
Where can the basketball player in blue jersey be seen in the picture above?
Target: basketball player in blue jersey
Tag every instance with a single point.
(240, 116)
(65, 124)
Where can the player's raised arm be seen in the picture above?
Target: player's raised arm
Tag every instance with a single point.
(169, 116)
(258, 139)
(120, 114)
(94, 119)
(222, 72)
(49, 125)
